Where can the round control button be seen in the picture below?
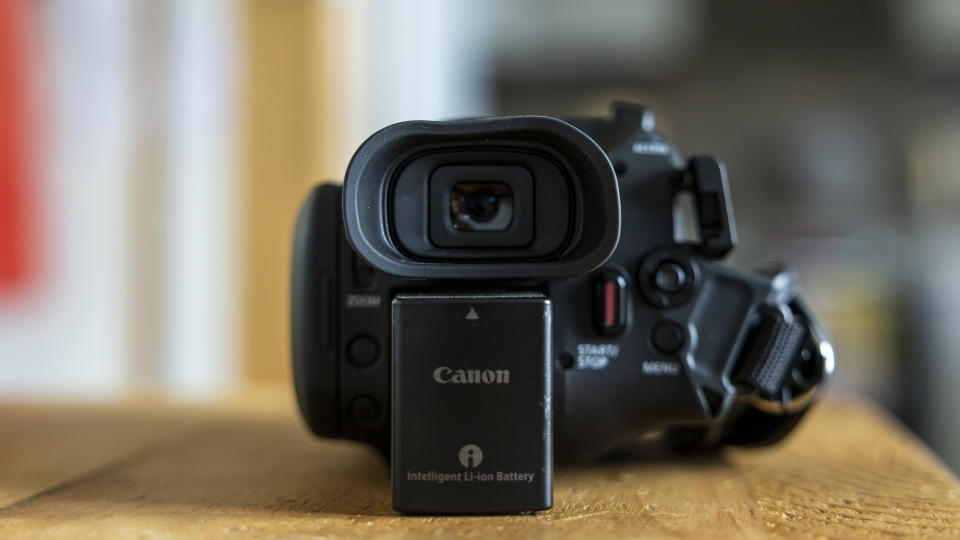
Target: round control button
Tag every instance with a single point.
(668, 337)
(670, 277)
(364, 410)
(363, 350)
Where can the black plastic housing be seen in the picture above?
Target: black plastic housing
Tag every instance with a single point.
(315, 304)
(657, 336)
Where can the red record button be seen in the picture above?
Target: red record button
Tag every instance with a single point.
(610, 304)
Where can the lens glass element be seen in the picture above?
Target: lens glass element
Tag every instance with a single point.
(481, 206)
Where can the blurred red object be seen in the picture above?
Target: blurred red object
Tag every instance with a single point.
(17, 225)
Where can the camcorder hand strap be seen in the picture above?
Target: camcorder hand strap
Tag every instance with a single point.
(770, 352)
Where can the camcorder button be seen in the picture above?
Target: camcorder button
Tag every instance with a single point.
(667, 276)
(363, 350)
(364, 410)
(610, 303)
(668, 337)
(670, 277)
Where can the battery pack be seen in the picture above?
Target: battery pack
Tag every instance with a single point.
(471, 428)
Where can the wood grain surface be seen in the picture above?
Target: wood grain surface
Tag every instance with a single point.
(248, 469)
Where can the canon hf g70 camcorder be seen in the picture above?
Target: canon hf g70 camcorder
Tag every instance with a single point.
(484, 297)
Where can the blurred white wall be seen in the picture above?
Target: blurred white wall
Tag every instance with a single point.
(141, 182)
(138, 192)
(202, 263)
(69, 333)
(429, 60)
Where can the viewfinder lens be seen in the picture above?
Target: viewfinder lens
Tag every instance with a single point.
(481, 206)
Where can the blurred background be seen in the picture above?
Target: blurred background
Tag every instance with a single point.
(153, 156)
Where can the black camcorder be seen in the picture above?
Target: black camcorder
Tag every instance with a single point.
(484, 297)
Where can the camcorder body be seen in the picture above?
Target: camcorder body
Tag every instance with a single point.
(485, 297)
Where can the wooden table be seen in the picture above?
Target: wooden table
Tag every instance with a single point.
(247, 468)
